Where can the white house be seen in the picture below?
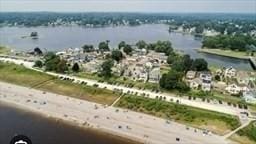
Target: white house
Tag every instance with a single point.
(206, 86)
(191, 74)
(250, 96)
(230, 72)
(233, 89)
(206, 79)
(154, 75)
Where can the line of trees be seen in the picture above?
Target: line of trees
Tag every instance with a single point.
(52, 62)
(179, 65)
(236, 42)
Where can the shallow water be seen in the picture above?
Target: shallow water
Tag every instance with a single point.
(48, 131)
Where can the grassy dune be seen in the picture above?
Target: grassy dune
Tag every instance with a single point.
(246, 135)
(20, 75)
(217, 122)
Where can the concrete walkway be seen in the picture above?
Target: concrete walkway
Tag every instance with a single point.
(236, 130)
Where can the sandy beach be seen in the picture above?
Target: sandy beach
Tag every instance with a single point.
(117, 121)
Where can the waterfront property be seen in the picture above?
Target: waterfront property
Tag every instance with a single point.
(230, 72)
(78, 36)
(250, 96)
(199, 79)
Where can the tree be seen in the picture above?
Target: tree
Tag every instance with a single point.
(163, 46)
(75, 67)
(121, 45)
(170, 80)
(38, 63)
(183, 87)
(217, 77)
(178, 65)
(172, 58)
(51, 60)
(187, 62)
(61, 66)
(106, 68)
(54, 63)
(199, 29)
(141, 44)
(88, 48)
(103, 46)
(37, 51)
(127, 49)
(200, 65)
(116, 55)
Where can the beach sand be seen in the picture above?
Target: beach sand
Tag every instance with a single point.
(121, 122)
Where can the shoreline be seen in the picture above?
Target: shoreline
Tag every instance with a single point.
(210, 51)
(123, 123)
(73, 124)
(250, 59)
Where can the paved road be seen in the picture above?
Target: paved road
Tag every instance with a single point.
(223, 108)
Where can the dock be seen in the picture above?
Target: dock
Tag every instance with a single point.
(253, 62)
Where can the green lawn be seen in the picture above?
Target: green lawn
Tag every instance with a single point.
(217, 122)
(228, 53)
(246, 135)
(20, 75)
(215, 95)
(89, 93)
(4, 50)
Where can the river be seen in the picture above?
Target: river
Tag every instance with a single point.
(61, 37)
(48, 131)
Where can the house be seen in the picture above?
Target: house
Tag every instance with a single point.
(233, 89)
(161, 57)
(195, 83)
(93, 66)
(230, 72)
(137, 73)
(154, 75)
(243, 77)
(138, 52)
(250, 96)
(206, 79)
(219, 86)
(206, 86)
(191, 75)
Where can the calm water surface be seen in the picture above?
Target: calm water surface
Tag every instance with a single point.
(44, 131)
(59, 38)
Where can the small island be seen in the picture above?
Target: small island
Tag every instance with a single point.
(34, 35)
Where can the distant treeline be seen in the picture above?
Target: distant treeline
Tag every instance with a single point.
(216, 21)
(236, 42)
